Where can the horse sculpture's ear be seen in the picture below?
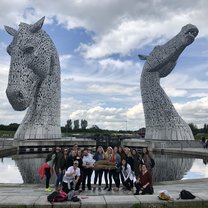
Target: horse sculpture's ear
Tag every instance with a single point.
(142, 57)
(37, 26)
(10, 30)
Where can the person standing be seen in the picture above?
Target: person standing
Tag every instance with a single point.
(87, 164)
(71, 177)
(137, 161)
(79, 159)
(146, 159)
(116, 171)
(109, 157)
(47, 168)
(59, 167)
(99, 155)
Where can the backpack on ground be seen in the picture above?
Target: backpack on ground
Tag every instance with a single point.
(184, 194)
(72, 196)
(57, 196)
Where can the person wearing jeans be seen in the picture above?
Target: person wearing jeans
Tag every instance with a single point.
(99, 155)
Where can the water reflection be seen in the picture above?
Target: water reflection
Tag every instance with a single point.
(171, 167)
(28, 166)
(167, 168)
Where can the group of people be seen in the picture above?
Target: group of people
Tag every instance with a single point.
(74, 168)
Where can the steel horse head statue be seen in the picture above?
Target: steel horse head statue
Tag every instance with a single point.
(162, 120)
(34, 81)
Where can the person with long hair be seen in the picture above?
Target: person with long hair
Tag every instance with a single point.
(146, 159)
(59, 167)
(122, 154)
(47, 168)
(127, 174)
(79, 159)
(108, 171)
(144, 182)
(99, 155)
(137, 161)
(116, 171)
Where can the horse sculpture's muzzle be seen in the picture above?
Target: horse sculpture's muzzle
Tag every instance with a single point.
(17, 98)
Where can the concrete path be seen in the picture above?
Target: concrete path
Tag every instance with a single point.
(34, 196)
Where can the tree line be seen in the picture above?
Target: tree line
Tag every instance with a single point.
(81, 125)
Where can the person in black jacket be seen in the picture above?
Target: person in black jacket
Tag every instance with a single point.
(99, 155)
(58, 166)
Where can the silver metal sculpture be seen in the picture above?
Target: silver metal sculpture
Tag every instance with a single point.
(162, 120)
(34, 81)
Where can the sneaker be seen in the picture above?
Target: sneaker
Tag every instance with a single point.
(109, 189)
(48, 189)
(123, 188)
(105, 188)
(116, 189)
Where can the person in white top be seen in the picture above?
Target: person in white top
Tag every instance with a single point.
(127, 174)
(88, 164)
(71, 177)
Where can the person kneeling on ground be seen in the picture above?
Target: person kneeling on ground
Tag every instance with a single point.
(144, 182)
(71, 177)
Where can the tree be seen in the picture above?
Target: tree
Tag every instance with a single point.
(68, 125)
(83, 124)
(205, 128)
(94, 127)
(194, 128)
(76, 124)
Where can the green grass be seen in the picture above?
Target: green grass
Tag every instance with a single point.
(6, 134)
(187, 205)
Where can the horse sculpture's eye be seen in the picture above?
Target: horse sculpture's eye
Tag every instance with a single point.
(29, 49)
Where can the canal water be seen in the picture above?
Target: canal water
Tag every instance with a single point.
(24, 168)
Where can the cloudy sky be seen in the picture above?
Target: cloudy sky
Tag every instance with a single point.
(98, 43)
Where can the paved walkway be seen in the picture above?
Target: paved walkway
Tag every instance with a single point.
(34, 196)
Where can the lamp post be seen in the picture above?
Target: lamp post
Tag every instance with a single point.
(126, 124)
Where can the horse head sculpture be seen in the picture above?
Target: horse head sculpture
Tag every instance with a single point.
(34, 81)
(162, 120)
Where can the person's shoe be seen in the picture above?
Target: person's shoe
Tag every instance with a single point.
(89, 189)
(109, 189)
(93, 189)
(105, 188)
(136, 193)
(116, 189)
(48, 189)
(99, 188)
(123, 188)
(129, 192)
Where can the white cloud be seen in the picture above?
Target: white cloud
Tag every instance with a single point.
(89, 86)
(173, 92)
(195, 111)
(119, 26)
(111, 63)
(111, 89)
